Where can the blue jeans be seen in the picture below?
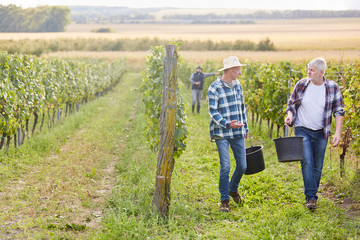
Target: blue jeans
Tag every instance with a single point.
(196, 96)
(314, 146)
(238, 148)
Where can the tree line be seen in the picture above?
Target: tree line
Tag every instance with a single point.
(276, 14)
(39, 19)
(92, 14)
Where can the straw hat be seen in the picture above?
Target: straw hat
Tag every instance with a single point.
(231, 62)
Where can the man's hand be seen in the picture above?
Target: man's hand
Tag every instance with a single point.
(235, 124)
(289, 118)
(217, 73)
(197, 83)
(336, 139)
(337, 136)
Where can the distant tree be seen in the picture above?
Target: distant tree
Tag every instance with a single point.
(102, 30)
(12, 19)
(58, 19)
(275, 14)
(265, 45)
(142, 16)
(41, 19)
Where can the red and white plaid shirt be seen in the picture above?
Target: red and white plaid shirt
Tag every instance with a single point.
(333, 102)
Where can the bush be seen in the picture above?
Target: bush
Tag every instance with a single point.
(265, 45)
(102, 30)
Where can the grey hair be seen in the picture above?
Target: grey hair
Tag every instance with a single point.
(319, 63)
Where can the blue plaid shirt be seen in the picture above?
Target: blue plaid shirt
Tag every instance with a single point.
(226, 104)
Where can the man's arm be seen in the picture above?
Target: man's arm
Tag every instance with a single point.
(213, 111)
(338, 124)
(192, 79)
(339, 116)
(291, 110)
(244, 110)
(210, 74)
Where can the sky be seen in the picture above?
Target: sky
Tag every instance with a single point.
(249, 4)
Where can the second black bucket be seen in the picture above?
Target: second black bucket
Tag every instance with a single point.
(254, 160)
(289, 149)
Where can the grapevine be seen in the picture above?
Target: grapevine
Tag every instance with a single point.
(151, 89)
(32, 86)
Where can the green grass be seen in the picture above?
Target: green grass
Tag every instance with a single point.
(274, 201)
(51, 188)
(55, 185)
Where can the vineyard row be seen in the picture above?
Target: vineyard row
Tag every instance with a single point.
(267, 87)
(32, 86)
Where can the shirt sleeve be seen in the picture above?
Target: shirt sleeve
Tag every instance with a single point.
(213, 109)
(291, 103)
(192, 78)
(244, 111)
(209, 74)
(337, 106)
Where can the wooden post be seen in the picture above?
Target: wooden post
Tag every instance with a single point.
(165, 165)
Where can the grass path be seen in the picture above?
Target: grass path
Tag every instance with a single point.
(96, 181)
(64, 194)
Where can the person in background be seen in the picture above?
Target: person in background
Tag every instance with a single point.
(228, 126)
(310, 108)
(197, 81)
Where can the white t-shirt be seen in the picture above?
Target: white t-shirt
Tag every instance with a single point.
(310, 114)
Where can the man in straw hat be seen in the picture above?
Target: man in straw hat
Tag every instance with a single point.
(228, 126)
(311, 106)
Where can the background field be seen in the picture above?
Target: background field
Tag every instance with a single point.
(319, 34)
(295, 40)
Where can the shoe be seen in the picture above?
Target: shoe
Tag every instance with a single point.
(225, 206)
(236, 197)
(311, 204)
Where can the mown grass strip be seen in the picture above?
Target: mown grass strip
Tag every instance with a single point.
(65, 175)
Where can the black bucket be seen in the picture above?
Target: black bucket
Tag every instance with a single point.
(289, 149)
(254, 160)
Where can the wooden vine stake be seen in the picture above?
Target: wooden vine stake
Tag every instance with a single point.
(165, 165)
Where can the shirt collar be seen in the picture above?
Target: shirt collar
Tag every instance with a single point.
(224, 83)
(325, 81)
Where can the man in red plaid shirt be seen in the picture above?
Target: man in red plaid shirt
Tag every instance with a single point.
(313, 102)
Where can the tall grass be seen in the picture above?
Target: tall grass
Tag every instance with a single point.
(39, 46)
